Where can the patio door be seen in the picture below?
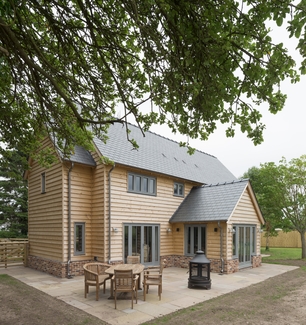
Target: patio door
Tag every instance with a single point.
(142, 240)
(245, 241)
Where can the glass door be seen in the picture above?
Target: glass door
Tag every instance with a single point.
(142, 240)
(246, 244)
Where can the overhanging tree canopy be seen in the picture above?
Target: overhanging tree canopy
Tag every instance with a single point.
(65, 65)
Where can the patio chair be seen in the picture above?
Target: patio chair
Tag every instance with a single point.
(94, 275)
(152, 276)
(135, 259)
(125, 281)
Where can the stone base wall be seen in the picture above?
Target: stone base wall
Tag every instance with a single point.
(60, 269)
(256, 260)
(56, 268)
(229, 266)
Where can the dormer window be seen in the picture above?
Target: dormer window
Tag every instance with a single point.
(178, 189)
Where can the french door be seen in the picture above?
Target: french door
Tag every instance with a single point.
(245, 241)
(142, 240)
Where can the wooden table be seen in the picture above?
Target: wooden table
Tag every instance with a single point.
(137, 270)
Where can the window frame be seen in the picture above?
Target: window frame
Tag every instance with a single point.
(200, 228)
(235, 239)
(178, 189)
(140, 184)
(43, 182)
(82, 251)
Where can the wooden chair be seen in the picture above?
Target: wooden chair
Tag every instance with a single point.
(152, 276)
(133, 259)
(94, 275)
(125, 281)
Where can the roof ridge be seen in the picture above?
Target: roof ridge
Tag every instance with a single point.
(161, 136)
(227, 183)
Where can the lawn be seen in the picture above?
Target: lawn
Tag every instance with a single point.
(281, 254)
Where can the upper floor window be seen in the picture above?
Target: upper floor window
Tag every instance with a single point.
(178, 189)
(43, 183)
(141, 184)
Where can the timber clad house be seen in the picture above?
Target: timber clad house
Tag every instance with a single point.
(157, 202)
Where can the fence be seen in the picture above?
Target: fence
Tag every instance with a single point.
(290, 239)
(13, 252)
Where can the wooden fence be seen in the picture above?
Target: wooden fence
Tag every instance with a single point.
(13, 252)
(290, 239)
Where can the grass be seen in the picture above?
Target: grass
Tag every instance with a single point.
(281, 254)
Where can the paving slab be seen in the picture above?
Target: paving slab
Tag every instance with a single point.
(176, 294)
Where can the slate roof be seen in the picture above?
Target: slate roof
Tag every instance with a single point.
(81, 156)
(161, 155)
(210, 202)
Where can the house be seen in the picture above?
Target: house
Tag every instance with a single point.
(157, 202)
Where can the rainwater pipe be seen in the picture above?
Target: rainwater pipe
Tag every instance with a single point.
(109, 212)
(221, 249)
(69, 276)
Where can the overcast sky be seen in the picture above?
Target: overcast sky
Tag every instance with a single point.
(284, 136)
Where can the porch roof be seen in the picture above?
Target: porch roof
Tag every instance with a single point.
(210, 202)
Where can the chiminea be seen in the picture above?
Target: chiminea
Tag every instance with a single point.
(199, 272)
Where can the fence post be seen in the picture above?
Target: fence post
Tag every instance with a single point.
(5, 255)
(25, 254)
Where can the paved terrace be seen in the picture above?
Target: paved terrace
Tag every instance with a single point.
(175, 295)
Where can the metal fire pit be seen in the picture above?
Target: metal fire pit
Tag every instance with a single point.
(199, 272)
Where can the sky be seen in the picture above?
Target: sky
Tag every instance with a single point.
(284, 136)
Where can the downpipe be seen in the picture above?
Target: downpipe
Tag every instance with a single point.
(69, 275)
(109, 212)
(221, 249)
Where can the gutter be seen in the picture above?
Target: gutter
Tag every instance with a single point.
(221, 249)
(109, 212)
(69, 276)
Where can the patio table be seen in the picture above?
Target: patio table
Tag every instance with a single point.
(137, 270)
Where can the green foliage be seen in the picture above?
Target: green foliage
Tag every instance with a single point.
(66, 65)
(13, 195)
(281, 193)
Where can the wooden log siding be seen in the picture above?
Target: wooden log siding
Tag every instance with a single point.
(45, 210)
(81, 208)
(100, 211)
(138, 208)
(245, 214)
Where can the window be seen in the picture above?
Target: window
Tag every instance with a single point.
(178, 189)
(141, 184)
(195, 239)
(43, 183)
(244, 243)
(142, 240)
(79, 238)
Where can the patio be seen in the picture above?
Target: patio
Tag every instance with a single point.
(175, 295)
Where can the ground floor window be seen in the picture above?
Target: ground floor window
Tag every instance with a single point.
(195, 239)
(79, 238)
(142, 240)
